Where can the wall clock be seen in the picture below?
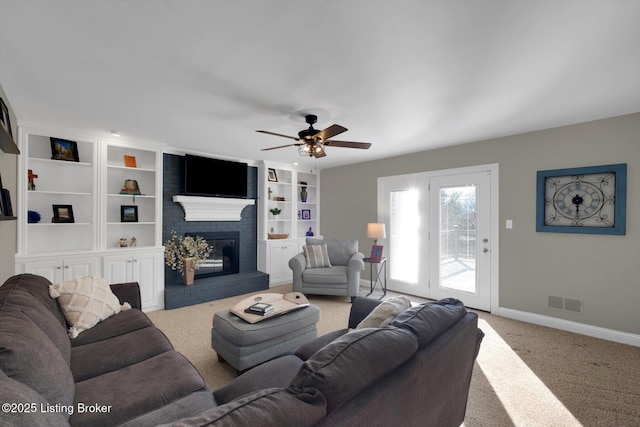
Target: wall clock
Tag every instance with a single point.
(589, 200)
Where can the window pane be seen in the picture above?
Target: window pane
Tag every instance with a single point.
(404, 240)
(458, 238)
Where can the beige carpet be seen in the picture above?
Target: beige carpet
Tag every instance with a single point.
(525, 375)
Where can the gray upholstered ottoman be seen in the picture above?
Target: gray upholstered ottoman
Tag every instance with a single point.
(244, 345)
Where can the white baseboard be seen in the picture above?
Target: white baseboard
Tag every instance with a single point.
(568, 325)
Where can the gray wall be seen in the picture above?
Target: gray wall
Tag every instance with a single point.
(8, 229)
(602, 271)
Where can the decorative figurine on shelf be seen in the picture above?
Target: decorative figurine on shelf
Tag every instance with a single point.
(133, 242)
(130, 187)
(275, 211)
(310, 232)
(303, 194)
(32, 184)
(122, 242)
(33, 217)
(299, 214)
(270, 193)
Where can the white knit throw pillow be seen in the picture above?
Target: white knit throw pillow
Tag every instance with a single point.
(85, 302)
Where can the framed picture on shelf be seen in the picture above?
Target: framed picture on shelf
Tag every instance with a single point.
(128, 213)
(63, 214)
(376, 253)
(306, 214)
(130, 161)
(272, 175)
(62, 149)
(5, 121)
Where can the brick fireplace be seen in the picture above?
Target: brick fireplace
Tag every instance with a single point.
(209, 284)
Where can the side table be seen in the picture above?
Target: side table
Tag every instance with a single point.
(381, 275)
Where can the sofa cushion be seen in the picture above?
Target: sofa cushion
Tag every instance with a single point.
(85, 301)
(316, 256)
(429, 320)
(344, 368)
(340, 250)
(97, 358)
(122, 323)
(14, 392)
(173, 412)
(384, 313)
(30, 357)
(336, 274)
(22, 303)
(137, 389)
(267, 407)
(36, 286)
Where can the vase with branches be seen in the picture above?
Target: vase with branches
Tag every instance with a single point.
(186, 254)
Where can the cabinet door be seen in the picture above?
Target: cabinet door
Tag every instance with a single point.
(80, 267)
(52, 270)
(281, 253)
(118, 268)
(144, 270)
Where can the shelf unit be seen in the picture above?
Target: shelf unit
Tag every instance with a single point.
(295, 220)
(90, 245)
(58, 182)
(148, 163)
(7, 145)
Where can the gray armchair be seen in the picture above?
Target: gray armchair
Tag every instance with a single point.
(342, 278)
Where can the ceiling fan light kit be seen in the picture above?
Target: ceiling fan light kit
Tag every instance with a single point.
(312, 141)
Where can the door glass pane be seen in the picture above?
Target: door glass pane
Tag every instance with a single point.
(458, 238)
(404, 237)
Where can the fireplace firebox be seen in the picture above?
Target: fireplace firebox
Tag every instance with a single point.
(225, 254)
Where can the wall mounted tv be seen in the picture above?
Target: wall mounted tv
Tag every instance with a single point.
(204, 176)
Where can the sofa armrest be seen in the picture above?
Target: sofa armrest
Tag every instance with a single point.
(360, 309)
(276, 373)
(356, 262)
(305, 351)
(128, 292)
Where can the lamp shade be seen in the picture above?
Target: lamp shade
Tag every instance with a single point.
(376, 231)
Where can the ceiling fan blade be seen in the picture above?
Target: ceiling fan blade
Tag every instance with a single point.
(280, 146)
(330, 132)
(278, 134)
(348, 144)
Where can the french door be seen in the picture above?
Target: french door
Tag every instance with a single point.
(442, 233)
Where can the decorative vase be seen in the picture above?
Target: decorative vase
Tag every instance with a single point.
(188, 271)
(303, 195)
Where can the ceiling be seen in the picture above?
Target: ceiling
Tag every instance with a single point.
(407, 76)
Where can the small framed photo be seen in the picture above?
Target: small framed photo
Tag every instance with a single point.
(272, 175)
(63, 214)
(128, 213)
(5, 121)
(376, 253)
(62, 149)
(306, 214)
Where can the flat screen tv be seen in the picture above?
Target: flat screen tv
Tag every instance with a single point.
(204, 176)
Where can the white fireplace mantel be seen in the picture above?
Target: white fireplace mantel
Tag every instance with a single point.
(212, 208)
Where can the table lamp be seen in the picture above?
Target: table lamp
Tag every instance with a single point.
(376, 231)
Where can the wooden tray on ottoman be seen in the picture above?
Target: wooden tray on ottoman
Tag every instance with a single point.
(282, 303)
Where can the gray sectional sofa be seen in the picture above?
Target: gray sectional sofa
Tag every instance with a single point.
(123, 371)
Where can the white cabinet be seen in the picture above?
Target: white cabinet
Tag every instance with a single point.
(144, 267)
(58, 270)
(274, 258)
(297, 196)
(84, 180)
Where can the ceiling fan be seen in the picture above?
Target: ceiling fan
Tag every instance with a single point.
(312, 141)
